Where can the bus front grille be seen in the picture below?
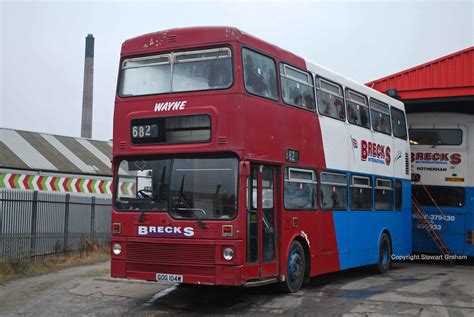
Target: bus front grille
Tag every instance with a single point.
(171, 253)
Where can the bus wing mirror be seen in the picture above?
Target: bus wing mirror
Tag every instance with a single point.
(244, 168)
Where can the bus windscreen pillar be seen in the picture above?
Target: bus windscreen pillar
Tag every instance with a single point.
(87, 95)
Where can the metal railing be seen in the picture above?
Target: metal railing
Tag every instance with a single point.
(36, 223)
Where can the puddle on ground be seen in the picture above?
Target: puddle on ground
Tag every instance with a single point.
(203, 299)
(351, 293)
(407, 279)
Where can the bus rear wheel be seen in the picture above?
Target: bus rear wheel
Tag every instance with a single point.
(385, 255)
(296, 268)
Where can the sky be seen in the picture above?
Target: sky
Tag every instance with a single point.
(42, 45)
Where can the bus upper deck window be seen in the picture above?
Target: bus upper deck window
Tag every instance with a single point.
(176, 72)
(202, 70)
(330, 100)
(380, 113)
(357, 109)
(398, 123)
(297, 87)
(259, 74)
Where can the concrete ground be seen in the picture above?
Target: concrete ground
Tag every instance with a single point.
(412, 289)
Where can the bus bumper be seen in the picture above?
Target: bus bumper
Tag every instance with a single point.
(198, 261)
(218, 275)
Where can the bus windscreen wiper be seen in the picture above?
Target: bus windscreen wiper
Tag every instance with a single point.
(188, 207)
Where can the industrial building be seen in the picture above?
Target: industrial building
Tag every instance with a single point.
(445, 84)
(54, 163)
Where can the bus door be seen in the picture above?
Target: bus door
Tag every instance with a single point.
(261, 222)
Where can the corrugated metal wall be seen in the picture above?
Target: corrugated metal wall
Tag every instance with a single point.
(35, 223)
(452, 75)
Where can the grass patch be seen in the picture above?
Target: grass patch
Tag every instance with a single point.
(16, 268)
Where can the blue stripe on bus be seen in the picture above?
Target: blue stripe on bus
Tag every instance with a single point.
(358, 232)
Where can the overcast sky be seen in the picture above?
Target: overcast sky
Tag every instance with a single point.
(42, 45)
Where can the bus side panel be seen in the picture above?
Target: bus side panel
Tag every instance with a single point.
(452, 230)
(364, 231)
(406, 233)
(341, 227)
(327, 259)
(469, 248)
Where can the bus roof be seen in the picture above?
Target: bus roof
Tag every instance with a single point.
(178, 38)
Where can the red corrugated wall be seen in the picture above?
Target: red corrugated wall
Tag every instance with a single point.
(448, 76)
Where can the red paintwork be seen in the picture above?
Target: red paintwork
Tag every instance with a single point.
(448, 76)
(76, 185)
(89, 187)
(101, 186)
(53, 185)
(65, 186)
(256, 130)
(11, 183)
(39, 182)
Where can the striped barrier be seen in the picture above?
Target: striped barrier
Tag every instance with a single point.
(127, 189)
(56, 183)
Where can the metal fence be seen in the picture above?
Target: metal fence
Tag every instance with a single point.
(35, 223)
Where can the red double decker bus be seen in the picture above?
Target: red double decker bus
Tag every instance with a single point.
(238, 163)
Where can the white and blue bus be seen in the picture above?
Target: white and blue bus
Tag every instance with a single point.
(442, 165)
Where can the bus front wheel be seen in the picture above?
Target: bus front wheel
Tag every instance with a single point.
(385, 255)
(296, 268)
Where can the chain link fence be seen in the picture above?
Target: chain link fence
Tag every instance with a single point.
(36, 223)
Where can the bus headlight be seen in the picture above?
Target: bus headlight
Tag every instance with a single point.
(117, 249)
(228, 254)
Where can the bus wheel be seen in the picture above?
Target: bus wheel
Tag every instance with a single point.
(385, 255)
(296, 268)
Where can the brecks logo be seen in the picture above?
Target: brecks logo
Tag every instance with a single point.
(161, 231)
(376, 153)
(436, 158)
(167, 106)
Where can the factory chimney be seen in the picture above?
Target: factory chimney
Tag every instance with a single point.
(86, 125)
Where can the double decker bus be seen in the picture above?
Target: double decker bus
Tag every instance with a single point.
(443, 183)
(239, 163)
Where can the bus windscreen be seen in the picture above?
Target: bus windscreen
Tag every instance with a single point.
(184, 187)
(435, 137)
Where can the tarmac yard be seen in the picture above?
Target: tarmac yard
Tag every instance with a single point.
(409, 289)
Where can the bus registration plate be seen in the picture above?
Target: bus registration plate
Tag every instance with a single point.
(168, 278)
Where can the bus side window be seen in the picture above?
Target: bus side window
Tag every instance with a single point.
(333, 191)
(398, 123)
(300, 189)
(259, 74)
(383, 194)
(398, 194)
(361, 192)
(330, 100)
(380, 113)
(357, 109)
(297, 87)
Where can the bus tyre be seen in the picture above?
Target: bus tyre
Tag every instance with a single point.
(385, 255)
(296, 268)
